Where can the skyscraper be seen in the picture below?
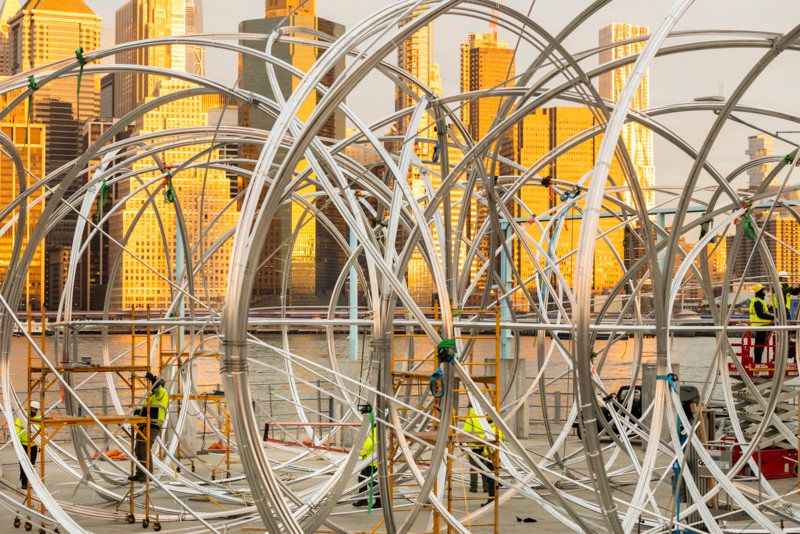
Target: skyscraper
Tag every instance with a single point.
(203, 194)
(45, 31)
(487, 63)
(29, 138)
(282, 8)
(42, 32)
(195, 55)
(147, 19)
(758, 146)
(542, 131)
(637, 138)
(7, 11)
(315, 260)
(415, 56)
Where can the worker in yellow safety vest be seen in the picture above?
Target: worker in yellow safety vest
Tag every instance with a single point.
(366, 477)
(787, 291)
(759, 316)
(489, 454)
(21, 429)
(159, 402)
(473, 427)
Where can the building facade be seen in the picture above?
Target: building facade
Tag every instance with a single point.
(30, 140)
(149, 263)
(148, 19)
(7, 11)
(42, 32)
(637, 138)
(540, 132)
(315, 260)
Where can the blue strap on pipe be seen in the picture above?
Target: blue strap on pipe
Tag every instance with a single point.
(437, 377)
(671, 378)
(446, 353)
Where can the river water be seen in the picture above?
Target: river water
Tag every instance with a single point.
(269, 380)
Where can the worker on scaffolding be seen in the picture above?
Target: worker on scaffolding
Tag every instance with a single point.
(159, 401)
(760, 316)
(473, 427)
(788, 293)
(489, 454)
(366, 478)
(30, 446)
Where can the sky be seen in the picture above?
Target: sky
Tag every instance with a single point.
(677, 78)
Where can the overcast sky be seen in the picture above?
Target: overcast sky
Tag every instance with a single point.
(675, 78)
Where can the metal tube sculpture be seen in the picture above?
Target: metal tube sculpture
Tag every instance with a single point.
(461, 218)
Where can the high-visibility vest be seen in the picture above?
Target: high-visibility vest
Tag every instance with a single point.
(473, 426)
(754, 318)
(368, 449)
(498, 434)
(22, 430)
(787, 299)
(159, 400)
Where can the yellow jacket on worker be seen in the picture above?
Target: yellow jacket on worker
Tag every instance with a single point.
(754, 317)
(159, 401)
(368, 449)
(473, 427)
(22, 429)
(499, 436)
(787, 300)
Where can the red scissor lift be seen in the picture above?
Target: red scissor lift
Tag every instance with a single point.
(776, 457)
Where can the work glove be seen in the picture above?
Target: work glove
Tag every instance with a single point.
(150, 376)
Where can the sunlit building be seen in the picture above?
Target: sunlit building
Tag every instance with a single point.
(637, 138)
(7, 11)
(415, 56)
(42, 32)
(541, 132)
(486, 63)
(45, 31)
(30, 140)
(203, 195)
(316, 259)
(148, 19)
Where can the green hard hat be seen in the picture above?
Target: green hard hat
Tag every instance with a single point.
(447, 344)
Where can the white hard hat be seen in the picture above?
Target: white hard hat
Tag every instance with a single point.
(783, 274)
(35, 405)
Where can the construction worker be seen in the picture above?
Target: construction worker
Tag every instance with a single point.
(159, 401)
(489, 455)
(473, 427)
(787, 291)
(366, 477)
(29, 445)
(759, 316)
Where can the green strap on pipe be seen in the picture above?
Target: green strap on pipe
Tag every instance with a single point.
(33, 86)
(102, 197)
(749, 225)
(82, 62)
(169, 192)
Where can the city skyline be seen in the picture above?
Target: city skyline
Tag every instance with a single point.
(486, 61)
(720, 75)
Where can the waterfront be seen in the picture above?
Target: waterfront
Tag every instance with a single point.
(269, 376)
